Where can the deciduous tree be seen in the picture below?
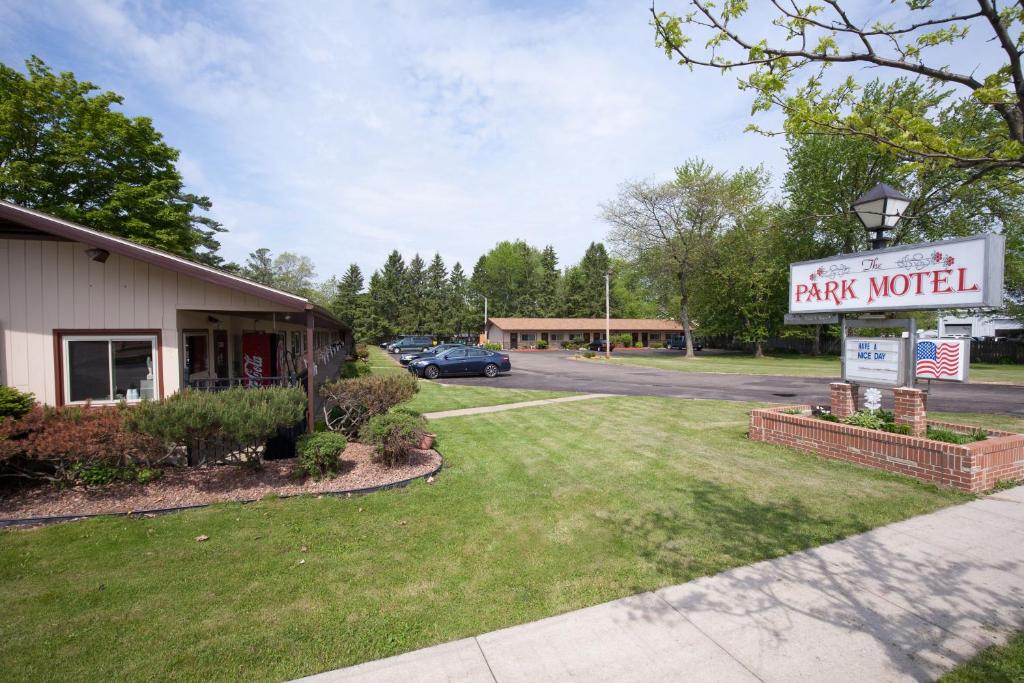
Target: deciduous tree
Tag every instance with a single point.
(669, 228)
(65, 150)
(816, 36)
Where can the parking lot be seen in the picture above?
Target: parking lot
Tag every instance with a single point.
(557, 371)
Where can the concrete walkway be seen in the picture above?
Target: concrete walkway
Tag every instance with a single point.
(904, 602)
(511, 406)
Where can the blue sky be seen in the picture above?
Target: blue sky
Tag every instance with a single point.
(342, 130)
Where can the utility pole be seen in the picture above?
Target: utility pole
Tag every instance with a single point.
(485, 319)
(607, 317)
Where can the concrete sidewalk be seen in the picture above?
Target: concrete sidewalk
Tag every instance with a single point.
(904, 602)
(511, 406)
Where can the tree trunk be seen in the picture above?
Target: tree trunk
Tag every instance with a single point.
(816, 347)
(684, 319)
(758, 350)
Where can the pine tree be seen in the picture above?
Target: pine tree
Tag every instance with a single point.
(387, 296)
(593, 267)
(349, 302)
(260, 267)
(463, 316)
(438, 316)
(548, 302)
(412, 314)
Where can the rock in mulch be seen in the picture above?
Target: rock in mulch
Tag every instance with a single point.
(180, 487)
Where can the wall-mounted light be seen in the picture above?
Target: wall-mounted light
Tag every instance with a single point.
(97, 254)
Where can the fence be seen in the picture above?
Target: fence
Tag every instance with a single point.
(829, 345)
(997, 351)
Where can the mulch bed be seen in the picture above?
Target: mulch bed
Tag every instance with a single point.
(186, 486)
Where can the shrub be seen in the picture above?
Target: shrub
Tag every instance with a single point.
(362, 353)
(99, 474)
(828, 417)
(570, 344)
(542, 344)
(48, 443)
(14, 403)
(351, 402)
(656, 345)
(492, 346)
(588, 353)
(625, 339)
(792, 411)
(865, 419)
(225, 426)
(393, 435)
(354, 369)
(949, 436)
(320, 452)
(897, 428)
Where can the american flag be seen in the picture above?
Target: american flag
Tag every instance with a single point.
(938, 359)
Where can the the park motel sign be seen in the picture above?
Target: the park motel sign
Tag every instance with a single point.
(960, 273)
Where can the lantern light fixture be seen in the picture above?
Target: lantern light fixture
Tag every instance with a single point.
(879, 210)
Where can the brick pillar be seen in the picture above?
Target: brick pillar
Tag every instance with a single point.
(910, 410)
(844, 399)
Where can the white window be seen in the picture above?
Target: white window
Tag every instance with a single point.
(556, 336)
(528, 337)
(110, 368)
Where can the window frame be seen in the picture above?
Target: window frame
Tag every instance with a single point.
(61, 360)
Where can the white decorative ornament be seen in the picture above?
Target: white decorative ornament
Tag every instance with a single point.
(872, 399)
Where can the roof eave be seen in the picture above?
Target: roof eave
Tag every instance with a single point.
(72, 231)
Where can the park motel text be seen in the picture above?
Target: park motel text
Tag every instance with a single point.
(950, 274)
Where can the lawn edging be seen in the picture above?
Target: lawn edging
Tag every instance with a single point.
(56, 519)
(972, 467)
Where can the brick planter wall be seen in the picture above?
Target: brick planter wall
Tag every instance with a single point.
(972, 467)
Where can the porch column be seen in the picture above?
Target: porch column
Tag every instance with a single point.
(310, 405)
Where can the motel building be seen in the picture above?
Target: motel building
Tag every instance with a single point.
(520, 333)
(89, 317)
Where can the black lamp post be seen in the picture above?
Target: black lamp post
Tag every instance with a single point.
(879, 210)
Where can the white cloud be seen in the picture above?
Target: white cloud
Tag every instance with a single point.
(343, 130)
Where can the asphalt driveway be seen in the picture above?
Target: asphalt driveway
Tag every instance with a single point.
(556, 371)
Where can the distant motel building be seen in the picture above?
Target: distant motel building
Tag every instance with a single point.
(519, 333)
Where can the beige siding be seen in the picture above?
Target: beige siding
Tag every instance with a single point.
(47, 285)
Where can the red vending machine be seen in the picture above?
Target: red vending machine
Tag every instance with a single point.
(257, 359)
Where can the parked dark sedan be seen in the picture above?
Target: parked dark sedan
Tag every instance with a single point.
(464, 361)
(407, 358)
(600, 345)
(678, 341)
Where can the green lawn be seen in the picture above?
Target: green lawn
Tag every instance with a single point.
(433, 396)
(1005, 422)
(995, 665)
(789, 365)
(538, 511)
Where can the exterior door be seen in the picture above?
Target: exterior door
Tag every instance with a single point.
(220, 353)
(196, 357)
(543, 336)
(643, 339)
(513, 342)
